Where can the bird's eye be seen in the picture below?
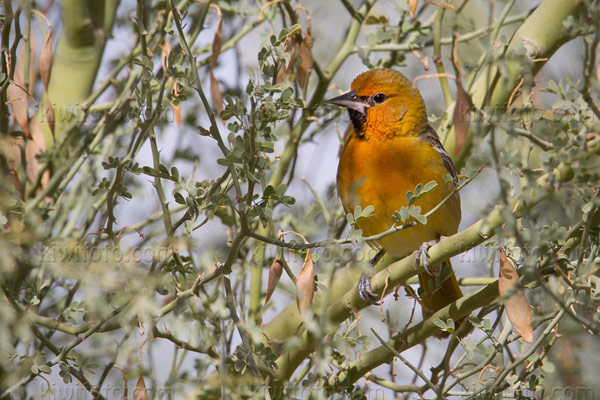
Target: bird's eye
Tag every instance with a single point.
(379, 98)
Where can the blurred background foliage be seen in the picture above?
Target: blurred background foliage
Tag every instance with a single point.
(165, 162)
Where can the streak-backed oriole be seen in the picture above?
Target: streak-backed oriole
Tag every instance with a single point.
(388, 150)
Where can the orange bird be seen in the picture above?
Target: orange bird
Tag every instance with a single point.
(388, 150)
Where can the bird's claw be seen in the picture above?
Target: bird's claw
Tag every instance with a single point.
(422, 254)
(365, 292)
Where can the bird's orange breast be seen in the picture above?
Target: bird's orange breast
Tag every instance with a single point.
(379, 172)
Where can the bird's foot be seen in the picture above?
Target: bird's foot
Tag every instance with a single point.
(365, 292)
(423, 254)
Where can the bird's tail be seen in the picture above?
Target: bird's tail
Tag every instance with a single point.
(437, 291)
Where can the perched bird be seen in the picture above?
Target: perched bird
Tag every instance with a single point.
(388, 150)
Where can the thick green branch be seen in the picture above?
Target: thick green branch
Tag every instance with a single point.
(414, 335)
(76, 59)
(541, 34)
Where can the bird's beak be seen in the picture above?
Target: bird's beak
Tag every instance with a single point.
(350, 100)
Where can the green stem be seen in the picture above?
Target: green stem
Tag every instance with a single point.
(437, 55)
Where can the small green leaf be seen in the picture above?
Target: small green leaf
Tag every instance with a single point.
(150, 171)
(267, 147)
(163, 169)
(475, 321)
(269, 191)
(280, 190)
(409, 197)
(587, 207)
(440, 324)
(286, 94)
(175, 173)
(45, 369)
(429, 186)
(402, 215)
(367, 211)
(415, 212)
(419, 192)
(418, 189)
(357, 212)
(487, 325)
(203, 131)
(288, 200)
(350, 218)
(179, 198)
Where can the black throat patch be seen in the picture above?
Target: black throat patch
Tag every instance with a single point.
(358, 120)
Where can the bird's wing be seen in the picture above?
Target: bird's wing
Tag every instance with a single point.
(431, 137)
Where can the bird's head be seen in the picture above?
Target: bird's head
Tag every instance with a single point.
(383, 103)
